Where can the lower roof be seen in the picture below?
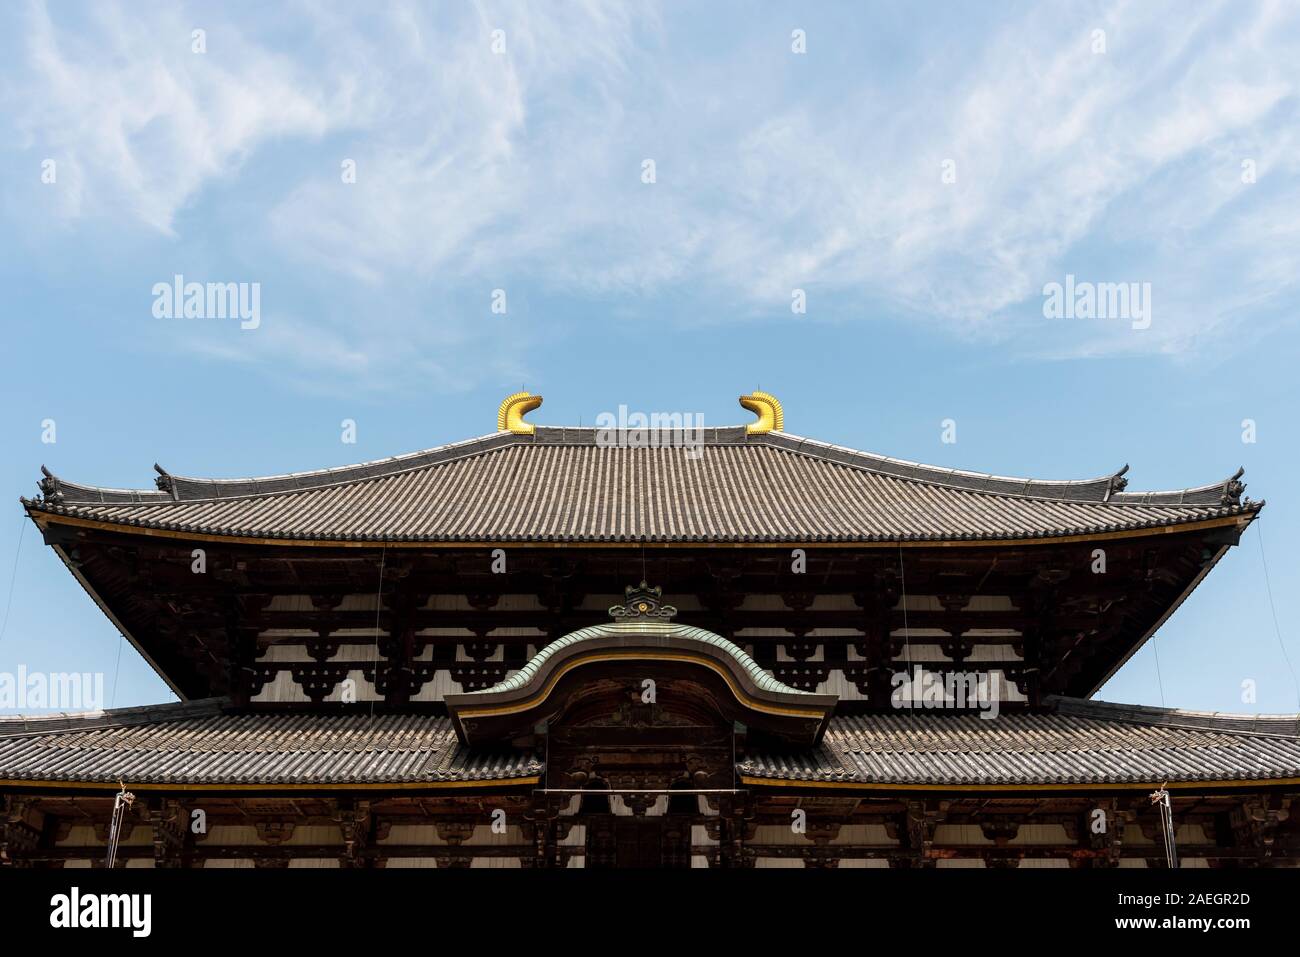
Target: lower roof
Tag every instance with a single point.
(1076, 743)
(197, 743)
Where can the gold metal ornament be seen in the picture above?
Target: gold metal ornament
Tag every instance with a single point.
(771, 417)
(511, 412)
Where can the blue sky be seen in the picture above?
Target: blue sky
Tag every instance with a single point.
(921, 172)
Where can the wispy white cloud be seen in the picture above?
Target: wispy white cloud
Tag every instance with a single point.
(141, 122)
(477, 169)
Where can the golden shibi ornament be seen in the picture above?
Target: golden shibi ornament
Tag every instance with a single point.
(511, 412)
(771, 417)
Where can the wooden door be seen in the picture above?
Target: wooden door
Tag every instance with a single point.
(636, 842)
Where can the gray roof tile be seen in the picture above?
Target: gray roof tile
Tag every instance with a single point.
(561, 486)
(1080, 742)
(194, 743)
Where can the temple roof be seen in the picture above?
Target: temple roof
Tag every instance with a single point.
(570, 485)
(1078, 743)
(196, 743)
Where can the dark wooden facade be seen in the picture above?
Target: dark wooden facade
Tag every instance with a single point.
(1067, 628)
(1219, 830)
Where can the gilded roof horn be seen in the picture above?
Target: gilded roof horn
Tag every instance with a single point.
(771, 417)
(511, 412)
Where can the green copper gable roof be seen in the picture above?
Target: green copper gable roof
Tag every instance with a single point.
(641, 638)
(646, 629)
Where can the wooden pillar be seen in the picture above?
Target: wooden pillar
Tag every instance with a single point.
(541, 819)
(170, 825)
(353, 819)
(733, 816)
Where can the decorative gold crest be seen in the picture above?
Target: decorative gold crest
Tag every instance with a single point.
(643, 602)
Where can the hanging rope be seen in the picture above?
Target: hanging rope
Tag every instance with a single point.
(123, 800)
(1161, 799)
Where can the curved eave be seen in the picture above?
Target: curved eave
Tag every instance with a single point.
(1228, 515)
(268, 788)
(1063, 787)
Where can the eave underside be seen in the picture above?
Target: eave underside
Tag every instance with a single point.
(1039, 613)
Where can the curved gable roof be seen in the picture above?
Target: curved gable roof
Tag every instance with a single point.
(526, 697)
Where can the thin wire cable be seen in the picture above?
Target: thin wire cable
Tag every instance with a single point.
(117, 668)
(1277, 629)
(13, 577)
(379, 604)
(1160, 681)
(907, 634)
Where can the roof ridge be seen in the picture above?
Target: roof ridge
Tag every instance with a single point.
(59, 721)
(1052, 750)
(904, 468)
(251, 749)
(1279, 725)
(172, 487)
(1104, 489)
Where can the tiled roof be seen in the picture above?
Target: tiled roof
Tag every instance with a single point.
(562, 485)
(1081, 742)
(194, 743)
